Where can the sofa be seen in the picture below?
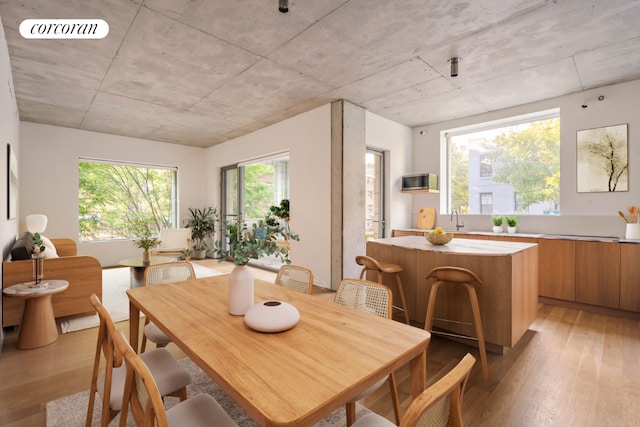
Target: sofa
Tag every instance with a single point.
(84, 274)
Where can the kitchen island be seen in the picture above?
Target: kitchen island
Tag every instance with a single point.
(509, 270)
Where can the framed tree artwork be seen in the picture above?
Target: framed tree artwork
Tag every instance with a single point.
(602, 159)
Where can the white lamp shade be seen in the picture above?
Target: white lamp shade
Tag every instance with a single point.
(36, 223)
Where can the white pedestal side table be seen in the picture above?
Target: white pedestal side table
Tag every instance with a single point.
(38, 326)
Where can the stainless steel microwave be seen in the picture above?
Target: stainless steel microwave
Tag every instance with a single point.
(421, 181)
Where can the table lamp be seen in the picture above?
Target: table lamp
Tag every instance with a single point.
(36, 223)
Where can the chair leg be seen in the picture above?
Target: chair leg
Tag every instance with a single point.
(431, 305)
(394, 397)
(350, 409)
(402, 299)
(479, 331)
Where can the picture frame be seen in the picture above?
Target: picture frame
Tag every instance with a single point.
(12, 183)
(602, 160)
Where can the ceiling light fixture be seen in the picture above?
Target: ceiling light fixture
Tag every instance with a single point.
(283, 6)
(454, 66)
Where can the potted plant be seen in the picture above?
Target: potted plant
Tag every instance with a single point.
(497, 224)
(243, 244)
(203, 223)
(146, 241)
(511, 223)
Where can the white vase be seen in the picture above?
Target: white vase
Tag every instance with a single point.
(497, 229)
(632, 232)
(240, 290)
(511, 230)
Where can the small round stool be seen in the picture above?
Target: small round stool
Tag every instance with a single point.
(371, 264)
(468, 279)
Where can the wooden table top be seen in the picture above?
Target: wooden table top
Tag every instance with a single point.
(295, 377)
(138, 262)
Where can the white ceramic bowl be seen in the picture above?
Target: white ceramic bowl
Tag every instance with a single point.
(272, 316)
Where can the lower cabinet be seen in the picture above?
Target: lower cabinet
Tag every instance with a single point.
(630, 276)
(557, 269)
(598, 273)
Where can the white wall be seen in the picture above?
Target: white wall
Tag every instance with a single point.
(9, 134)
(49, 178)
(591, 214)
(307, 137)
(395, 140)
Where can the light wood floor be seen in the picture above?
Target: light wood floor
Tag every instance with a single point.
(572, 368)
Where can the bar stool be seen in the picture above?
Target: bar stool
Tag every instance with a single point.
(468, 279)
(371, 264)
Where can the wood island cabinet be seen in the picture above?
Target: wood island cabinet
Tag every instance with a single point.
(594, 275)
(598, 273)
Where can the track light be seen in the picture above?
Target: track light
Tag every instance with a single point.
(283, 6)
(454, 66)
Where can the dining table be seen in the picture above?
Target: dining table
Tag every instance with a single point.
(295, 377)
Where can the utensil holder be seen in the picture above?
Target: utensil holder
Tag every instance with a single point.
(632, 232)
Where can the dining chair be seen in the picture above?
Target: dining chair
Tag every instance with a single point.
(158, 274)
(171, 377)
(142, 396)
(440, 405)
(295, 277)
(375, 299)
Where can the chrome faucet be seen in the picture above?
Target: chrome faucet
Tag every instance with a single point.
(458, 224)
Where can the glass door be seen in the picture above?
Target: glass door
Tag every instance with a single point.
(374, 194)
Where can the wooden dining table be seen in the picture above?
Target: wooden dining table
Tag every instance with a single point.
(291, 378)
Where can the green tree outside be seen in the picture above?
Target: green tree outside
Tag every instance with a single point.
(529, 160)
(116, 202)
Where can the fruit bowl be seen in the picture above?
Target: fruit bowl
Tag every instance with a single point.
(439, 238)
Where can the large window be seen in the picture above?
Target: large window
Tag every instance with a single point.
(510, 167)
(117, 201)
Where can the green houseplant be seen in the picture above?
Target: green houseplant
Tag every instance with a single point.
(203, 223)
(497, 223)
(511, 223)
(146, 242)
(244, 243)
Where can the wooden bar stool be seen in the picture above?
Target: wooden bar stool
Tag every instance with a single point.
(468, 279)
(371, 264)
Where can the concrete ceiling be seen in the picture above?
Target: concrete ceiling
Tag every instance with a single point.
(200, 72)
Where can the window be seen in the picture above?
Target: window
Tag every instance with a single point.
(117, 201)
(486, 203)
(511, 166)
(486, 165)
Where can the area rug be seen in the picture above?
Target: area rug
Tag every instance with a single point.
(71, 411)
(115, 282)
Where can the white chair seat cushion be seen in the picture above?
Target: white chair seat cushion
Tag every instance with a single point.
(199, 410)
(372, 420)
(167, 372)
(154, 334)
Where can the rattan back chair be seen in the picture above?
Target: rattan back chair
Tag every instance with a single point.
(158, 274)
(172, 378)
(376, 299)
(142, 397)
(440, 405)
(295, 277)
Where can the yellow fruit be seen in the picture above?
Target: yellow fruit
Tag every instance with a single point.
(439, 230)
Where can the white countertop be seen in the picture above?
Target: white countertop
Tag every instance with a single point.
(458, 246)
